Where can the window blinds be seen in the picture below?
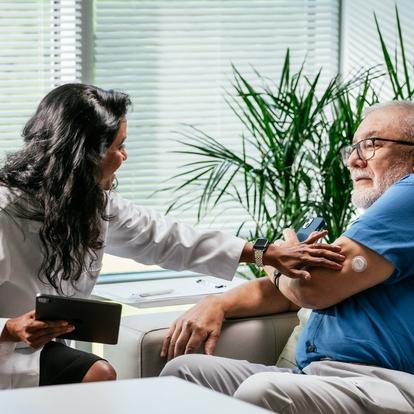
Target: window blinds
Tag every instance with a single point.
(174, 58)
(39, 44)
(361, 45)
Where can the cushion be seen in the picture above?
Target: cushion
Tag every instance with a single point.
(287, 356)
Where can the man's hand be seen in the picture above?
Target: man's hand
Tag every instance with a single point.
(291, 256)
(200, 324)
(35, 333)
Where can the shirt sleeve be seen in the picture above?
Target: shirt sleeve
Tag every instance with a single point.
(150, 238)
(6, 348)
(387, 228)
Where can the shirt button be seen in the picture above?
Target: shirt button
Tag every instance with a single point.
(311, 348)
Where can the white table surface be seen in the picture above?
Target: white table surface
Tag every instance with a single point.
(166, 395)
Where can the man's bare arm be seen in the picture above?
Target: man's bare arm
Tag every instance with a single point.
(327, 287)
(254, 298)
(202, 323)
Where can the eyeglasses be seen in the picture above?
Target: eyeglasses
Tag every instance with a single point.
(366, 148)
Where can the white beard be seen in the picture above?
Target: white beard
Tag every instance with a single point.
(364, 198)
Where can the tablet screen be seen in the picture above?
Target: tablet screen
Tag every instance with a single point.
(94, 321)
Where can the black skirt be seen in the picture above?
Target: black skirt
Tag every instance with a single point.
(61, 364)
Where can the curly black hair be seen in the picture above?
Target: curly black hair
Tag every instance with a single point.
(56, 175)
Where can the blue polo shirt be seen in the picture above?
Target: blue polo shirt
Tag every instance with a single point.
(376, 326)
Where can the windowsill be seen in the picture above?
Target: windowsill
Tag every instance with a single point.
(117, 270)
(159, 274)
(112, 265)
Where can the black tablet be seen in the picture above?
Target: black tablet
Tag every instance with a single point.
(95, 321)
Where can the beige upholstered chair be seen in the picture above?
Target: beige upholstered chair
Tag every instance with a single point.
(259, 339)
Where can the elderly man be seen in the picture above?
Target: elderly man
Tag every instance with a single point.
(356, 353)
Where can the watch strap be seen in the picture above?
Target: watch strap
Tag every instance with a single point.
(259, 248)
(258, 257)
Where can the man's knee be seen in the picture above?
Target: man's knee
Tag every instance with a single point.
(174, 367)
(185, 366)
(273, 391)
(100, 371)
(216, 373)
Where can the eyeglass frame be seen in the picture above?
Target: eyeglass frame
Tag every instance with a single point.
(351, 148)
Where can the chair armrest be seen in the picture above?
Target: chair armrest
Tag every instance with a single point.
(258, 339)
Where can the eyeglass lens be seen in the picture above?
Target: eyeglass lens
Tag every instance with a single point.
(365, 150)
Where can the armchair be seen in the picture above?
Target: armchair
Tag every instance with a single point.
(137, 354)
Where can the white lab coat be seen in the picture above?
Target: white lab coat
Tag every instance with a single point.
(135, 232)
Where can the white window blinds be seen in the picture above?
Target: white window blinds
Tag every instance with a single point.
(39, 48)
(361, 45)
(174, 58)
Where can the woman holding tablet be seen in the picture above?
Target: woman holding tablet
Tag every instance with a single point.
(58, 215)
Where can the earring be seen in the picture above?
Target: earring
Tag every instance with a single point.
(114, 184)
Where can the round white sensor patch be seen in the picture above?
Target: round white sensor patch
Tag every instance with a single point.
(359, 264)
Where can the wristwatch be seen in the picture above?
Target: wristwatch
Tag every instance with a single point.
(259, 247)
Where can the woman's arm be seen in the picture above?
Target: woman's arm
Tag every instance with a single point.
(292, 258)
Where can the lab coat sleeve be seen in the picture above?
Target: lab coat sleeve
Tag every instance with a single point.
(6, 348)
(150, 238)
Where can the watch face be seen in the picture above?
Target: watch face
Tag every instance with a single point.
(260, 244)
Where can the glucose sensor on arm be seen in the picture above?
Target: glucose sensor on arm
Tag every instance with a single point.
(359, 264)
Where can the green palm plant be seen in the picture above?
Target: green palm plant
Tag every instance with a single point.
(401, 81)
(333, 184)
(289, 164)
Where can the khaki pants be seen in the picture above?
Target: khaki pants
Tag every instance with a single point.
(324, 387)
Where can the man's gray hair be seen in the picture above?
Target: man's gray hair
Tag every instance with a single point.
(406, 122)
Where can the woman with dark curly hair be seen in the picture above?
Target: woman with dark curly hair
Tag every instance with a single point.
(58, 216)
(54, 214)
